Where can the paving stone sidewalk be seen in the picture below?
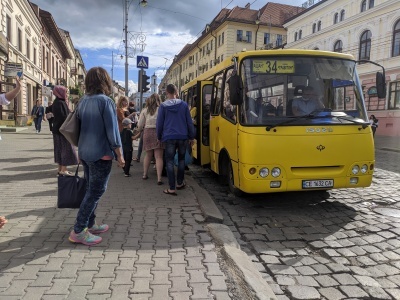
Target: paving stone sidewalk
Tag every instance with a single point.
(156, 248)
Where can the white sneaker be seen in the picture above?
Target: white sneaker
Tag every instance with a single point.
(37, 131)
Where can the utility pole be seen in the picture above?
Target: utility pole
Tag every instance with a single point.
(126, 47)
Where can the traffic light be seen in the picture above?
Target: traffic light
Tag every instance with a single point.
(145, 82)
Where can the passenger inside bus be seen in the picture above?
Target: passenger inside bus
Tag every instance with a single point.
(206, 124)
(307, 103)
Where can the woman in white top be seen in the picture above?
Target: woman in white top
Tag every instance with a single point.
(7, 97)
(152, 146)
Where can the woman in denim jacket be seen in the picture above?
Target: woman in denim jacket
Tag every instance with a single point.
(99, 143)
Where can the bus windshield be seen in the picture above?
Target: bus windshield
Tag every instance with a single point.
(300, 90)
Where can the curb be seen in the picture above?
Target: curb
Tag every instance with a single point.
(247, 278)
(245, 275)
(207, 205)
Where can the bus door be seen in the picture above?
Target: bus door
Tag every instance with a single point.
(201, 147)
(223, 124)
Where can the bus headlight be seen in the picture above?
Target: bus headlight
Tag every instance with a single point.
(263, 172)
(364, 169)
(355, 169)
(276, 172)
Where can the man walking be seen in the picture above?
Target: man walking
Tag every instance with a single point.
(175, 129)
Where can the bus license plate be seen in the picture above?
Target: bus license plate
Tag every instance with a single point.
(314, 184)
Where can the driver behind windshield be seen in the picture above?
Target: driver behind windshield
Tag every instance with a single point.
(307, 103)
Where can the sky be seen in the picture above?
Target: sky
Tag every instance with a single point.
(97, 30)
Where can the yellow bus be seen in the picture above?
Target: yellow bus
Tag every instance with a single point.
(283, 120)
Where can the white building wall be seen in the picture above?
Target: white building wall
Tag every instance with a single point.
(23, 18)
(380, 20)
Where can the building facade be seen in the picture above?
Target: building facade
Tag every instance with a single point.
(367, 29)
(22, 29)
(231, 31)
(46, 53)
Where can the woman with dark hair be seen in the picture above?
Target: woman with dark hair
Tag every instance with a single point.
(64, 152)
(152, 146)
(374, 123)
(99, 143)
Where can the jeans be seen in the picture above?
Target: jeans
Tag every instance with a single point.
(97, 174)
(38, 123)
(170, 149)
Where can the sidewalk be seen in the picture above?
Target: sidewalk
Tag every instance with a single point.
(156, 248)
(388, 143)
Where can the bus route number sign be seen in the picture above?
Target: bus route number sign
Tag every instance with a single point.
(273, 66)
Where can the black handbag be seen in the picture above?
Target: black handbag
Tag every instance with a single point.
(71, 190)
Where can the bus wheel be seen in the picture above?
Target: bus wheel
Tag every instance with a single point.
(234, 190)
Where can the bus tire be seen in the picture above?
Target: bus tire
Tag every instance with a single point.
(232, 188)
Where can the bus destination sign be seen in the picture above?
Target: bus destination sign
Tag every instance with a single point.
(273, 66)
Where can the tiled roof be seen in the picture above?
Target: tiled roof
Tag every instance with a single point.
(277, 13)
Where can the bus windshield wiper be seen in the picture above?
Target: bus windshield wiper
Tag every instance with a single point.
(309, 116)
(314, 114)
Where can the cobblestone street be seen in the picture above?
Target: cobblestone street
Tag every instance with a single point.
(341, 244)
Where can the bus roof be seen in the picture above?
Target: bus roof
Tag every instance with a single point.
(278, 52)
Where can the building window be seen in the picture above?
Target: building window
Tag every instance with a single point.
(222, 38)
(19, 39)
(28, 49)
(266, 38)
(314, 28)
(219, 40)
(365, 45)
(394, 95)
(34, 56)
(279, 40)
(319, 25)
(248, 36)
(335, 18)
(338, 47)
(239, 35)
(342, 13)
(300, 34)
(9, 29)
(363, 5)
(396, 39)
(295, 36)
(371, 3)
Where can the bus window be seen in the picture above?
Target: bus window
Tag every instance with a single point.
(229, 110)
(216, 107)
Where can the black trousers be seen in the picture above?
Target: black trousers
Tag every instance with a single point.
(128, 160)
(51, 124)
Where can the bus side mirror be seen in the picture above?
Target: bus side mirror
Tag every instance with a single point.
(235, 89)
(380, 85)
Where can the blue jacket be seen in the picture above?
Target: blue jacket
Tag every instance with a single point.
(174, 121)
(99, 134)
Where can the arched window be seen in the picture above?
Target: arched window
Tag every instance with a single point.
(396, 39)
(338, 47)
(314, 27)
(319, 25)
(365, 45)
(336, 18)
(295, 36)
(342, 15)
(300, 34)
(363, 5)
(371, 3)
